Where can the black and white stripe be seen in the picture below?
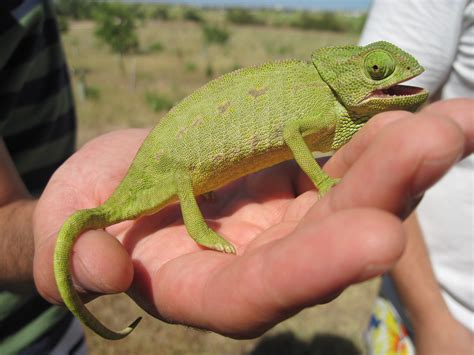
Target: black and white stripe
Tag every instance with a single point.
(36, 112)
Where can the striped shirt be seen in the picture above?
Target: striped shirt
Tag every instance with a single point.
(37, 123)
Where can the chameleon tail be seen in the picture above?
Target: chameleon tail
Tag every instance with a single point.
(77, 223)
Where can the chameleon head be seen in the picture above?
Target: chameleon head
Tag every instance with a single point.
(366, 80)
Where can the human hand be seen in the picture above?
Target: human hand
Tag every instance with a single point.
(292, 252)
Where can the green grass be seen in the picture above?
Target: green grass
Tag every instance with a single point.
(167, 77)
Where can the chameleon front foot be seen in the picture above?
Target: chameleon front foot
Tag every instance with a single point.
(210, 196)
(327, 185)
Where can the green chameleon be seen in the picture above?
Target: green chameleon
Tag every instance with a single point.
(240, 123)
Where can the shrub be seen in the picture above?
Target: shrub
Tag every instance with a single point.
(192, 15)
(157, 102)
(156, 47)
(191, 67)
(161, 13)
(215, 34)
(92, 93)
(242, 16)
(77, 9)
(63, 24)
(116, 26)
(209, 71)
(326, 21)
(357, 23)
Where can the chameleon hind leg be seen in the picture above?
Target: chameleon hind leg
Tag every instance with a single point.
(193, 219)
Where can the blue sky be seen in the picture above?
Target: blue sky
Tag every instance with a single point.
(299, 4)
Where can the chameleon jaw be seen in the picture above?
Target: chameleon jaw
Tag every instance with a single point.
(397, 96)
(397, 91)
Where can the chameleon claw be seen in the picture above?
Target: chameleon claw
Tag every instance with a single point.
(218, 119)
(324, 188)
(210, 196)
(223, 248)
(229, 249)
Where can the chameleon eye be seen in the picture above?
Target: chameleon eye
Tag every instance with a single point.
(379, 65)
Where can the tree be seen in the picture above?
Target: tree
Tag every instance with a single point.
(116, 26)
(77, 9)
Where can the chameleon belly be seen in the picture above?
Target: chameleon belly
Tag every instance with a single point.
(240, 123)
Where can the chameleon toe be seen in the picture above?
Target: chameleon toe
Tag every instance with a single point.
(238, 124)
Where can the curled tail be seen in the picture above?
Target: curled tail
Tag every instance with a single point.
(76, 224)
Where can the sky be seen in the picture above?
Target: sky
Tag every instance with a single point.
(349, 5)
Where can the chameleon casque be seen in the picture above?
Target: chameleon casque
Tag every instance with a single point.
(240, 123)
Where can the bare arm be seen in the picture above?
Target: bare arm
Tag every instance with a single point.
(437, 332)
(16, 240)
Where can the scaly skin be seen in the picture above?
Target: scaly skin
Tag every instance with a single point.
(242, 122)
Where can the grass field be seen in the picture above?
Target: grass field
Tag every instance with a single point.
(173, 61)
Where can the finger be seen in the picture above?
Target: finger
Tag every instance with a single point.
(345, 157)
(100, 264)
(246, 295)
(403, 161)
(462, 112)
(349, 153)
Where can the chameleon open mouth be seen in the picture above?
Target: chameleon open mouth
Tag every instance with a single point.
(397, 90)
(396, 97)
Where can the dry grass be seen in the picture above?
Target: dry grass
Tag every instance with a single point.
(331, 329)
(173, 73)
(167, 73)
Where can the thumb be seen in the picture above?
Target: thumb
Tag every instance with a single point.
(100, 264)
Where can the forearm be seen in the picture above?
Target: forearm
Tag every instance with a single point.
(415, 281)
(16, 246)
(16, 237)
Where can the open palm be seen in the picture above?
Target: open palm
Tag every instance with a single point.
(292, 251)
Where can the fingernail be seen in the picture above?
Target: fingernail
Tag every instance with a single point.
(431, 170)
